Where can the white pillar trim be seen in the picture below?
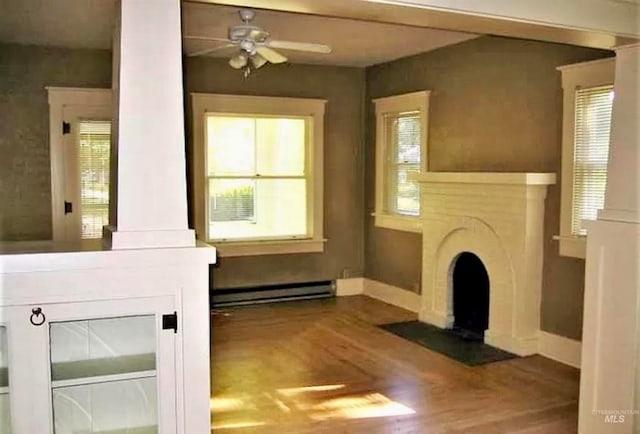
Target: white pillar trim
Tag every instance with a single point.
(151, 197)
(610, 376)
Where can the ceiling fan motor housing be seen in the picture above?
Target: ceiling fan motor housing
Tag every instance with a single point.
(247, 15)
(253, 33)
(248, 46)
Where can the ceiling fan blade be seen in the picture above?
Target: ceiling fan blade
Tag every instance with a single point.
(210, 50)
(300, 46)
(239, 61)
(271, 55)
(206, 38)
(258, 61)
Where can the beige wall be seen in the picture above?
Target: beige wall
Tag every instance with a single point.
(343, 213)
(496, 105)
(25, 174)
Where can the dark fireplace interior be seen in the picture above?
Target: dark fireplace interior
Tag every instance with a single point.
(470, 296)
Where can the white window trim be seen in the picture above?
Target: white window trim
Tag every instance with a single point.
(415, 101)
(580, 75)
(252, 105)
(59, 98)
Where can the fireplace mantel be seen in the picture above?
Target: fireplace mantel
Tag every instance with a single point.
(506, 178)
(499, 217)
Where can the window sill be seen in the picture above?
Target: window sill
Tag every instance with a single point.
(571, 246)
(398, 222)
(255, 248)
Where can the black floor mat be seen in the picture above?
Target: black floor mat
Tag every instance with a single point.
(454, 344)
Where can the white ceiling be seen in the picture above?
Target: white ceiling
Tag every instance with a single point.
(88, 24)
(353, 43)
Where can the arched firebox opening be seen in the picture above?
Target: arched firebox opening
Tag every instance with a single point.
(470, 295)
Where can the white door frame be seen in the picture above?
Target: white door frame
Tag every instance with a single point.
(59, 99)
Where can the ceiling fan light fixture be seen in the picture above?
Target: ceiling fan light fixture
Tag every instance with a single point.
(239, 61)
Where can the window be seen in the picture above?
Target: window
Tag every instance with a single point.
(401, 138)
(590, 154)
(588, 101)
(94, 143)
(80, 132)
(258, 182)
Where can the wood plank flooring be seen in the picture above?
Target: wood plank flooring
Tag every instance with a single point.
(323, 366)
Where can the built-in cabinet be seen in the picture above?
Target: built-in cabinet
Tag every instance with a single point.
(5, 420)
(89, 367)
(101, 342)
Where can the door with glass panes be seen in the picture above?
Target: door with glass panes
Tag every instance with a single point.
(92, 367)
(87, 143)
(5, 411)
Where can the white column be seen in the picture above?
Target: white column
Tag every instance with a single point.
(610, 377)
(151, 199)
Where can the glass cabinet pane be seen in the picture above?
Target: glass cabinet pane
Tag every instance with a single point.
(5, 422)
(103, 375)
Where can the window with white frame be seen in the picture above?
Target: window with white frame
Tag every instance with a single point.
(401, 148)
(80, 142)
(588, 101)
(258, 171)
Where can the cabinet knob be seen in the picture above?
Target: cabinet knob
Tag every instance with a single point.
(37, 317)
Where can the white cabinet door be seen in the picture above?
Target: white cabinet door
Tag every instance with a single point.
(94, 367)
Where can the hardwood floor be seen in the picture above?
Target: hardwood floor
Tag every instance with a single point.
(323, 366)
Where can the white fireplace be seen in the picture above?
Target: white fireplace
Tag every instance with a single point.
(499, 218)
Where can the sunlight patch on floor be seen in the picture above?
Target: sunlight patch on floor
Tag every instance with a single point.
(225, 404)
(236, 425)
(358, 407)
(300, 390)
(309, 402)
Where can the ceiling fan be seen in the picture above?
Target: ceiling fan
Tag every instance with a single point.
(254, 46)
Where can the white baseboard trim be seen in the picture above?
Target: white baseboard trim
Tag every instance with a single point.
(351, 286)
(521, 346)
(392, 295)
(555, 347)
(560, 349)
(436, 319)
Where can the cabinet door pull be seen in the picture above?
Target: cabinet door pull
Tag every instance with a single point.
(37, 317)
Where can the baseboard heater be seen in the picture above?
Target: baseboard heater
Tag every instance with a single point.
(272, 293)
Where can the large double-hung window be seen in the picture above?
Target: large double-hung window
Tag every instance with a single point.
(257, 177)
(258, 173)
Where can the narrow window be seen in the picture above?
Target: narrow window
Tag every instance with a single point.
(591, 153)
(406, 155)
(401, 149)
(94, 141)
